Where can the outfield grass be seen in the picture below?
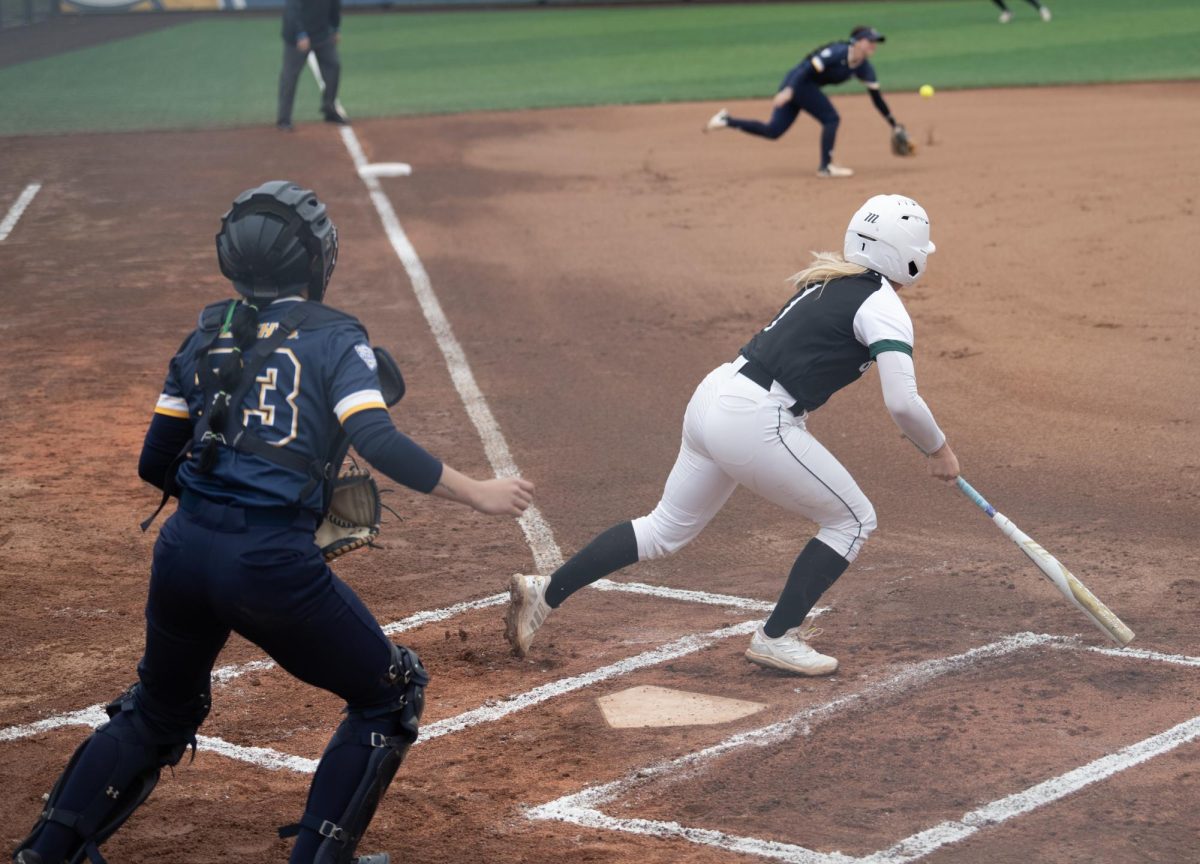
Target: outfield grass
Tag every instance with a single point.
(223, 70)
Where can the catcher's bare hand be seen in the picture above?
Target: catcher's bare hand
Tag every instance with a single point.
(504, 496)
(498, 496)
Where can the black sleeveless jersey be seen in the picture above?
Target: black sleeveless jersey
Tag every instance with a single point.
(828, 335)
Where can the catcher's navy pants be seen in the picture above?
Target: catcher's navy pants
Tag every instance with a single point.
(256, 572)
(219, 568)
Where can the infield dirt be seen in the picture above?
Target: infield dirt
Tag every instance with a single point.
(595, 264)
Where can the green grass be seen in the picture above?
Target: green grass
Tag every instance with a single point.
(223, 71)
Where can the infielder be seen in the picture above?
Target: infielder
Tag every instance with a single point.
(1006, 13)
(801, 91)
(746, 424)
(238, 555)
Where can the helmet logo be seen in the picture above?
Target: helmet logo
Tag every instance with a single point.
(872, 218)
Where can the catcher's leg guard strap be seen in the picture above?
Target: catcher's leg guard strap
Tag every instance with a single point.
(386, 732)
(124, 758)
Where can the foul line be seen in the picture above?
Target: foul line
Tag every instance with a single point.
(18, 207)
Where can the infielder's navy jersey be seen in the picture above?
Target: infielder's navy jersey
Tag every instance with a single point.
(829, 64)
(313, 381)
(828, 335)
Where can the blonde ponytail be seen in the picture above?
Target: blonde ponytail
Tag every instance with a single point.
(825, 266)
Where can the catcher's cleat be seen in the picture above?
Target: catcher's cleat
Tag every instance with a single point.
(718, 121)
(377, 858)
(527, 609)
(790, 652)
(1005, 17)
(832, 170)
(27, 856)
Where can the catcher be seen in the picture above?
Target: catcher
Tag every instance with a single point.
(801, 91)
(256, 443)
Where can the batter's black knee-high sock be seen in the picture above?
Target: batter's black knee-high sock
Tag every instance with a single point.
(816, 568)
(608, 553)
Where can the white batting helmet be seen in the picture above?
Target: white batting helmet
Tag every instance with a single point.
(890, 235)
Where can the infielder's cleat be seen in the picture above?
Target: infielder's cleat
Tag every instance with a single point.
(718, 121)
(284, 126)
(1005, 17)
(1045, 13)
(832, 170)
(377, 858)
(28, 856)
(790, 652)
(527, 609)
(337, 117)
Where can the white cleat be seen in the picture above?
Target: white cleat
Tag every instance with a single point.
(1005, 17)
(527, 609)
(790, 652)
(1045, 13)
(832, 170)
(718, 121)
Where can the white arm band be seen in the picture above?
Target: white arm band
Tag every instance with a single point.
(899, 381)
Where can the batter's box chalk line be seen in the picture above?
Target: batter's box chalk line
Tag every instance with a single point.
(583, 808)
(94, 715)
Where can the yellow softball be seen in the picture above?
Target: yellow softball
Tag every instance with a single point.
(926, 91)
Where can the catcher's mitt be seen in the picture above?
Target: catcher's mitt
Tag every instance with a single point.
(354, 514)
(902, 145)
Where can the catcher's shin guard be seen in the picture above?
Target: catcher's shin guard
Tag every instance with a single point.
(129, 777)
(388, 732)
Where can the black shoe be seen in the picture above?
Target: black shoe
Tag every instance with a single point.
(28, 856)
(285, 126)
(336, 117)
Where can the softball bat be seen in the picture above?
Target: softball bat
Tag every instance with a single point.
(1062, 578)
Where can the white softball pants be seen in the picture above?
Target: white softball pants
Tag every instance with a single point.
(735, 432)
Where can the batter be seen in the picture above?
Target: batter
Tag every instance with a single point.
(745, 424)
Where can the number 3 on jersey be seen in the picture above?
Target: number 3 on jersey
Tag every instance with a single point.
(278, 387)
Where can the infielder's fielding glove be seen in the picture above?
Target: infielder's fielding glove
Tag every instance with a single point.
(354, 514)
(902, 145)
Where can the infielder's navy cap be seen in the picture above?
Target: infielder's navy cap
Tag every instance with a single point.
(865, 32)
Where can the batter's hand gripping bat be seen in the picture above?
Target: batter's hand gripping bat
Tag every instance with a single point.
(1059, 576)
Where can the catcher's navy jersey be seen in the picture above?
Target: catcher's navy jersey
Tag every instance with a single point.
(313, 381)
(829, 64)
(828, 335)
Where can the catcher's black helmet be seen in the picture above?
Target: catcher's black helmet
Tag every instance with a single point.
(275, 241)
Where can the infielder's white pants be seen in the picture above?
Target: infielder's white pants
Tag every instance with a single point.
(736, 432)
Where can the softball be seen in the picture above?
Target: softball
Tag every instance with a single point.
(926, 91)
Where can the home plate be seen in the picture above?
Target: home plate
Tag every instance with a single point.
(385, 169)
(661, 706)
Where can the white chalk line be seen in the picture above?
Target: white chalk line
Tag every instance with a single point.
(925, 842)
(18, 207)
(546, 554)
(581, 808)
(315, 68)
(489, 713)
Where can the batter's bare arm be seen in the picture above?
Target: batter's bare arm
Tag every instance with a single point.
(897, 377)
